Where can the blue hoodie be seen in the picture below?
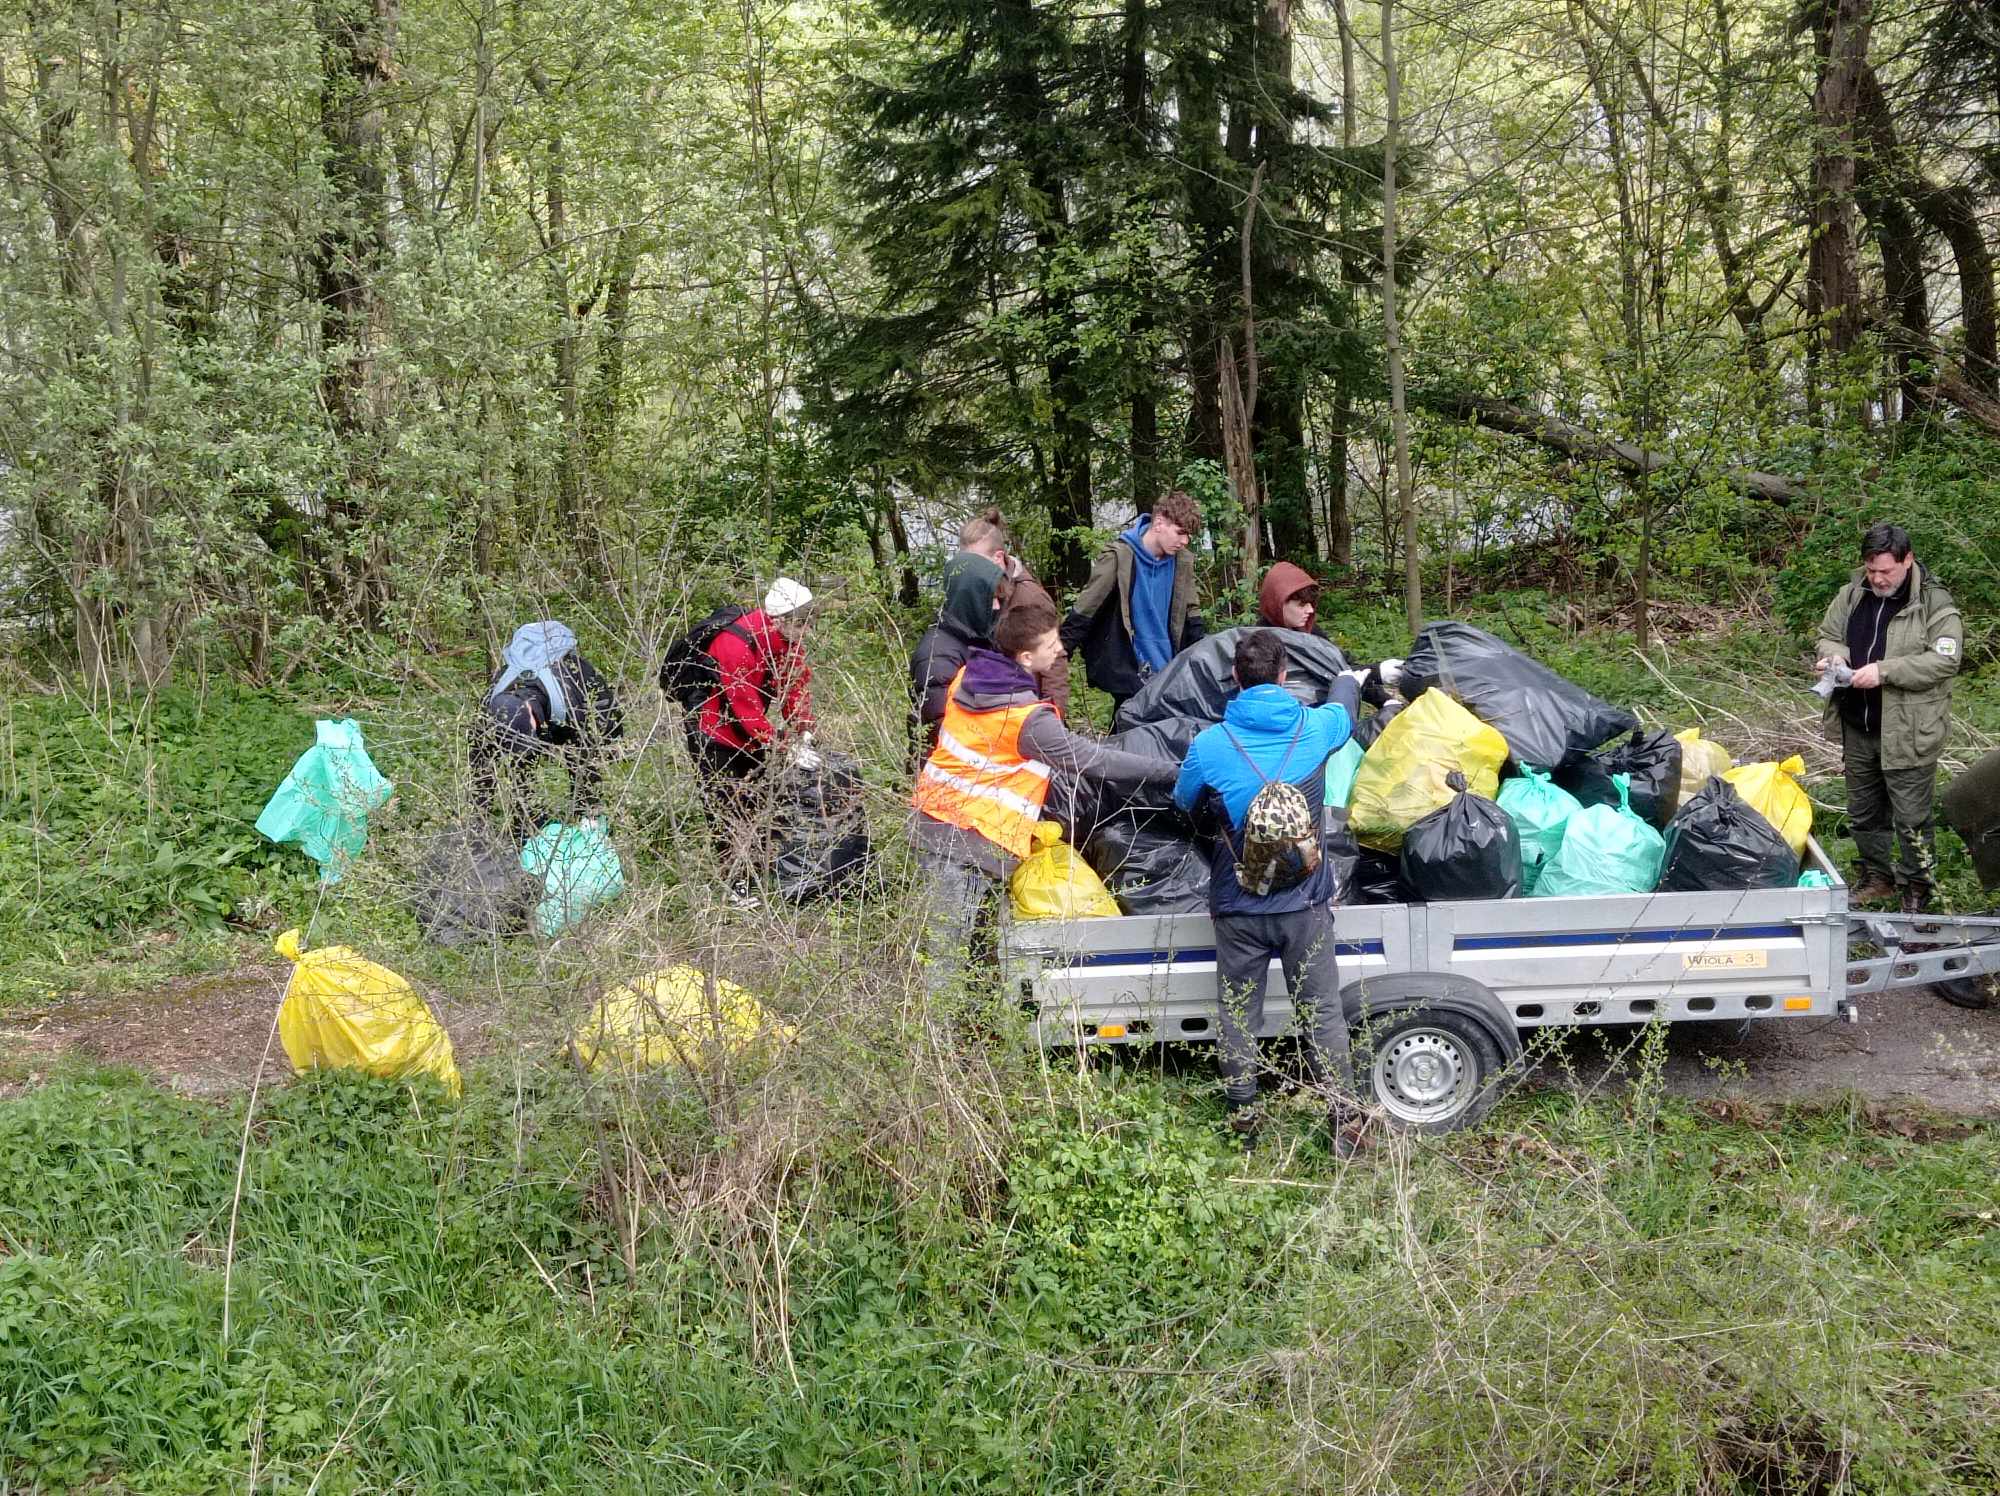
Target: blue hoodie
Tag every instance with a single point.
(1263, 720)
(1152, 598)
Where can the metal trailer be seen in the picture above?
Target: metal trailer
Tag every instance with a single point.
(1437, 995)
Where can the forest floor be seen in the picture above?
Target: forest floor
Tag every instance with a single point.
(207, 1035)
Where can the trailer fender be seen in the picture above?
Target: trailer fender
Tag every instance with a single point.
(1375, 997)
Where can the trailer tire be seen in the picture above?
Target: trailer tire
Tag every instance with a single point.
(1967, 992)
(1430, 1070)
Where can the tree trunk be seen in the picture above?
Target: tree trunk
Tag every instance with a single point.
(1339, 508)
(1392, 331)
(1833, 262)
(1145, 411)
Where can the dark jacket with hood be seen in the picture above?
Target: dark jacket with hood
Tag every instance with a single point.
(993, 681)
(1100, 621)
(964, 623)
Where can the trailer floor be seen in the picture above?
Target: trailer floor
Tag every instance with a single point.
(1908, 1047)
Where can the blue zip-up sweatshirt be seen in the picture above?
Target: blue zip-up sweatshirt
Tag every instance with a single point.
(1263, 720)
(1152, 598)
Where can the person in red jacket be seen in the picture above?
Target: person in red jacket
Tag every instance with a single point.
(761, 670)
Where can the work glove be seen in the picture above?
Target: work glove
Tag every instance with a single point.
(1837, 674)
(802, 755)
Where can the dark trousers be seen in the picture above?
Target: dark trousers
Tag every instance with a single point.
(729, 779)
(503, 773)
(1888, 807)
(1302, 942)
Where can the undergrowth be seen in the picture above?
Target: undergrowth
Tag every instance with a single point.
(435, 1296)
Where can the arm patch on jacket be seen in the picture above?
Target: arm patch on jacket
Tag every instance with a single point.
(1947, 646)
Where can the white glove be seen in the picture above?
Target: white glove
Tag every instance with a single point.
(1359, 677)
(1391, 672)
(803, 755)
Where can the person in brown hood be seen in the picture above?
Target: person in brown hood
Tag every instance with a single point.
(1289, 599)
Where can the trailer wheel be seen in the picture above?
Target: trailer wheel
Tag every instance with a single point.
(1967, 992)
(1430, 1070)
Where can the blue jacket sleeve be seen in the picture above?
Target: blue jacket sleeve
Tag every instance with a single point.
(1192, 781)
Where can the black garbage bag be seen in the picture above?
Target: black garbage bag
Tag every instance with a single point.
(819, 829)
(1466, 849)
(1082, 803)
(1652, 760)
(1370, 728)
(1546, 720)
(1169, 738)
(1716, 843)
(1378, 879)
(470, 886)
(1150, 866)
(1196, 683)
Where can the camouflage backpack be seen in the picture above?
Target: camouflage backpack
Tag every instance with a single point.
(1281, 847)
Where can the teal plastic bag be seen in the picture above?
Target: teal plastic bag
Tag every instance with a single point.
(579, 869)
(1605, 849)
(1814, 879)
(1341, 768)
(1540, 810)
(325, 802)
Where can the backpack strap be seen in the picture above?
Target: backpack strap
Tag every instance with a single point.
(1263, 778)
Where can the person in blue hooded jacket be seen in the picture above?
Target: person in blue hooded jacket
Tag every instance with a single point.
(1137, 611)
(1266, 735)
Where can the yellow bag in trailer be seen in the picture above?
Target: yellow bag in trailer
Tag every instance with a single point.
(1702, 759)
(1402, 777)
(1052, 882)
(665, 1018)
(343, 1012)
(1775, 794)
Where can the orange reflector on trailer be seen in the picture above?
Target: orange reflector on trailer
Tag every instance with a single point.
(1798, 1005)
(1111, 1031)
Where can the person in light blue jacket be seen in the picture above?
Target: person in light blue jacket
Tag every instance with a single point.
(1266, 735)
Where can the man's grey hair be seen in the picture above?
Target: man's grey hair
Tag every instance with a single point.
(1885, 537)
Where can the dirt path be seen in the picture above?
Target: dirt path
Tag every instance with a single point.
(206, 1035)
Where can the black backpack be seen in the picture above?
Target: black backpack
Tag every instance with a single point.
(688, 672)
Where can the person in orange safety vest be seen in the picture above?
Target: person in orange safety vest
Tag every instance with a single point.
(981, 790)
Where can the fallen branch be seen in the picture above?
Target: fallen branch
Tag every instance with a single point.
(1581, 444)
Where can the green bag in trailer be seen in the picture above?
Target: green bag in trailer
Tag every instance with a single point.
(1606, 849)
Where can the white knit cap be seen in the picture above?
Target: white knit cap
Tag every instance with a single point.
(786, 596)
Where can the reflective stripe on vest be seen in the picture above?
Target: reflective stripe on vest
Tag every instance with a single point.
(977, 779)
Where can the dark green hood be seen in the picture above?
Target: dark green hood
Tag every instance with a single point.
(969, 581)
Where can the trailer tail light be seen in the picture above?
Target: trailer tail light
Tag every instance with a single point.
(1111, 1031)
(1798, 1005)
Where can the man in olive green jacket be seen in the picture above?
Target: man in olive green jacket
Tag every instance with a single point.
(1900, 633)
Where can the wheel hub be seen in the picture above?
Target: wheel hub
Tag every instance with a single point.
(1421, 1076)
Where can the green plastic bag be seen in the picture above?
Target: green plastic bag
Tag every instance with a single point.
(1340, 771)
(1814, 878)
(1605, 849)
(579, 869)
(325, 802)
(1540, 810)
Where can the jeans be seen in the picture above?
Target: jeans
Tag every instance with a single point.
(1886, 807)
(954, 896)
(728, 778)
(1302, 942)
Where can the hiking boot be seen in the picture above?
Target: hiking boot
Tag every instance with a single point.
(1875, 888)
(1348, 1129)
(1916, 898)
(1244, 1121)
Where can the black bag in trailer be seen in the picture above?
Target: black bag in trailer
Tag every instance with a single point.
(1651, 762)
(1197, 682)
(1468, 848)
(1717, 843)
(1150, 865)
(1545, 719)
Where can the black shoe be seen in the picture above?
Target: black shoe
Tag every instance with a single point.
(1916, 898)
(1873, 889)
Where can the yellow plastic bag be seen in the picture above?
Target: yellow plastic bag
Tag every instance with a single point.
(343, 1012)
(1774, 794)
(1402, 776)
(665, 1018)
(1701, 761)
(1052, 882)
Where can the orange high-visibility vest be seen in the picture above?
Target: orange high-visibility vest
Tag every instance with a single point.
(977, 779)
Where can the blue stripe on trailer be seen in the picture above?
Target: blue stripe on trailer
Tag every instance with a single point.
(1627, 937)
(1194, 955)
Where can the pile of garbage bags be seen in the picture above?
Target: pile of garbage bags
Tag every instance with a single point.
(1491, 777)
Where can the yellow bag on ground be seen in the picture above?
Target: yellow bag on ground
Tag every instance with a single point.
(1774, 794)
(343, 1012)
(1701, 761)
(665, 1018)
(1402, 777)
(1052, 882)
